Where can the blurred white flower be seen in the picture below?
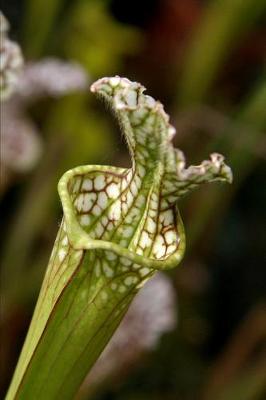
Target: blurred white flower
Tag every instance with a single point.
(20, 142)
(51, 77)
(11, 61)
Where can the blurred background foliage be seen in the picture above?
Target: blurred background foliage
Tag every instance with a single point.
(205, 60)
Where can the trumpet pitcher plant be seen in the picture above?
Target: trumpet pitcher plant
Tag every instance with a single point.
(119, 227)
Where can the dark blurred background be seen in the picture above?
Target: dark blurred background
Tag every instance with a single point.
(205, 60)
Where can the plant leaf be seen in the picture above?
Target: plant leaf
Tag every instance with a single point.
(119, 227)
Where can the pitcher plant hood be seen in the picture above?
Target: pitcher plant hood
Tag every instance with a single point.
(133, 212)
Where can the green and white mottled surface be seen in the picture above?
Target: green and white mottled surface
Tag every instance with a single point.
(119, 227)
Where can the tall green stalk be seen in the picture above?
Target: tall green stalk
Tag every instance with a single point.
(119, 227)
(223, 25)
(39, 19)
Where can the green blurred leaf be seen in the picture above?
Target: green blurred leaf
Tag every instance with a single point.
(96, 40)
(39, 19)
(223, 25)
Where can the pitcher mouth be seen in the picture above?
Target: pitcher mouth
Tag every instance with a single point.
(79, 239)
